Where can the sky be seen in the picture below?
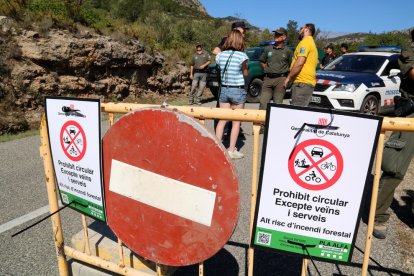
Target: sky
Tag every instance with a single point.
(331, 17)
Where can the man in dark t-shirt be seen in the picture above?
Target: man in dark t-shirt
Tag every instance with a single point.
(329, 56)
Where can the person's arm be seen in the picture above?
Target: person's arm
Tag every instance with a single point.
(263, 59)
(245, 68)
(322, 62)
(411, 74)
(216, 51)
(219, 47)
(294, 71)
(205, 64)
(191, 72)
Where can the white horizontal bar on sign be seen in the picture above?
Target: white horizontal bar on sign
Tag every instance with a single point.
(170, 195)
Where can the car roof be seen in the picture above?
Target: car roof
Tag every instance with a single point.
(386, 54)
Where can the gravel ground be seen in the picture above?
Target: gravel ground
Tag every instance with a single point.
(32, 253)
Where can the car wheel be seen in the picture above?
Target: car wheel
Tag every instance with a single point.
(370, 105)
(253, 93)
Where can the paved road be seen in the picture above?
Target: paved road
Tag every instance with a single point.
(23, 193)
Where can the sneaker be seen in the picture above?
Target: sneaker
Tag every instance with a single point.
(235, 154)
(380, 230)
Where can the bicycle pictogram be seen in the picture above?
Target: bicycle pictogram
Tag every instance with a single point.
(328, 165)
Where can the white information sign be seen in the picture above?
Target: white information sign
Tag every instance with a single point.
(315, 167)
(75, 143)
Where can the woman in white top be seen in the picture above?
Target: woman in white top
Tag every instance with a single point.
(233, 68)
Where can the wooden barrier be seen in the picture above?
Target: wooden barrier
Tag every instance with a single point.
(202, 113)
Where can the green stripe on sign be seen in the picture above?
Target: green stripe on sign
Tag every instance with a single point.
(92, 209)
(325, 249)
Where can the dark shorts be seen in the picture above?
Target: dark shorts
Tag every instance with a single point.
(232, 95)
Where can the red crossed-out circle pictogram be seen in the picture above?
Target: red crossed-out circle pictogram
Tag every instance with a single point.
(73, 140)
(316, 164)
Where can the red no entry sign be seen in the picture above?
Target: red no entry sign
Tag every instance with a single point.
(171, 192)
(315, 164)
(73, 140)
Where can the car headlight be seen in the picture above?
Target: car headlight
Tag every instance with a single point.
(351, 87)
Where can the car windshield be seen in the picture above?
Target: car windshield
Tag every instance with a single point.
(254, 53)
(356, 63)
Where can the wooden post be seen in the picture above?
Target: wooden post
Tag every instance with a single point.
(111, 119)
(374, 197)
(159, 270)
(201, 269)
(101, 263)
(121, 253)
(255, 169)
(52, 196)
(304, 267)
(86, 235)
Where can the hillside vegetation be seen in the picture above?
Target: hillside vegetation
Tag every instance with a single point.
(169, 26)
(162, 25)
(118, 50)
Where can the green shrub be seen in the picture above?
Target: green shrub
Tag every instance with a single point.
(11, 7)
(55, 8)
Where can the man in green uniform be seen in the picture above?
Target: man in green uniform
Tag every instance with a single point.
(198, 74)
(399, 149)
(275, 61)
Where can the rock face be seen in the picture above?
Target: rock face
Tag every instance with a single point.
(60, 63)
(194, 4)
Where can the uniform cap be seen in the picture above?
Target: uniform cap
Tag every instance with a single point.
(281, 31)
(239, 24)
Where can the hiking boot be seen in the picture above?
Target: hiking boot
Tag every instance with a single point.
(380, 230)
(235, 154)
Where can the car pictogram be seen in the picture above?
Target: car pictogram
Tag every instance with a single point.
(317, 151)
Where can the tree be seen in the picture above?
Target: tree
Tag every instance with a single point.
(292, 32)
(266, 35)
(130, 9)
(73, 8)
(11, 8)
(393, 38)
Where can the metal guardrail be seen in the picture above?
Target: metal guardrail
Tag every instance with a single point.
(202, 113)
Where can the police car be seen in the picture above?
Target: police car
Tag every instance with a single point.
(365, 81)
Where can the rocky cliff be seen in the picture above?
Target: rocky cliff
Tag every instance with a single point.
(194, 4)
(60, 63)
